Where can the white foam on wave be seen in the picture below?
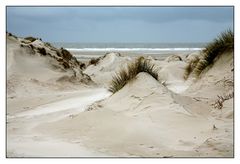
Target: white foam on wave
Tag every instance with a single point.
(132, 49)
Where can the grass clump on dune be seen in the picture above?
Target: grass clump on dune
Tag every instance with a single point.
(222, 44)
(10, 34)
(30, 38)
(94, 61)
(190, 67)
(127, 74)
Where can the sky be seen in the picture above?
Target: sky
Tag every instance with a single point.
(120, 24)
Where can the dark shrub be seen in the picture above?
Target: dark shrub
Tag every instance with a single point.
(58, 54)
(42, 51)
(94, 61)
(30, 38)
(10, 34)
(66, 65)
(48, 44)
(66, 54)
(82, 66)
(31, 46)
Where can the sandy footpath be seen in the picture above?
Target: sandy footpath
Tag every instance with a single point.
(23, 141)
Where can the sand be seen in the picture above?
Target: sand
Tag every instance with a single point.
(23, 141)
(168, 117)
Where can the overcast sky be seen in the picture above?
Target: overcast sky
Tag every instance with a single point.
(120, 24)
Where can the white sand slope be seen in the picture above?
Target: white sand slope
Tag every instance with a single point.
(40, 146)
(24, 142)
(29, 72)
(73, 104)
(102, 73)
(52, 113)
(172, 75)
(36, 95)
(218, 78)
(145, 119)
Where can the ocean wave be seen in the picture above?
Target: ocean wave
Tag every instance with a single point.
(132, 49)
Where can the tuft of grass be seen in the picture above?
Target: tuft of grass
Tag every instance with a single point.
(42, 51)
(10, 34)
(127, 74)
(190, 67)
(30, 38)
(174, 58)
(66, 54)
(94, 61)
(223, 43)
(48, 44)
(82, 65)
(220, 100)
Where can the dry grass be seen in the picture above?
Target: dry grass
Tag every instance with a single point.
(10, 34)
(66, 54)
(94, 61)
(30, 38)
(220, 100)
(190, 67)
(42, 51)
(47, 44)
(127, 74)
(223, 43)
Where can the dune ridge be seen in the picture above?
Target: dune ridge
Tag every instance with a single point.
(65, 110)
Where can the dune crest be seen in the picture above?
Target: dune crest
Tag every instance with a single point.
(58, 106)
(35, 66)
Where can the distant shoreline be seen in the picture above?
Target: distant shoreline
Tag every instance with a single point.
(84, 51)
(160, 55)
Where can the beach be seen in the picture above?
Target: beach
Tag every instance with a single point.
(86, 51)
(59, 103)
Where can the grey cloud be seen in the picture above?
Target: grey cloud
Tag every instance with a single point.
(123, 24)
(153, 14)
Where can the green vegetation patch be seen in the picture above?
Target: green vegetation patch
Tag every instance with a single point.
(125, 75)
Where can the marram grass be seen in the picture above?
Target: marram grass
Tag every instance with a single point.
(190, 66)
(125, 75)
(222, 44)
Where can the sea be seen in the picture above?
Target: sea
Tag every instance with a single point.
(158, 50)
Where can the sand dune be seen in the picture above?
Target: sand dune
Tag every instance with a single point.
(61, 110)
(71, 105)
(150, 122)
(102, 72)
(21, 125)
(29, 71)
